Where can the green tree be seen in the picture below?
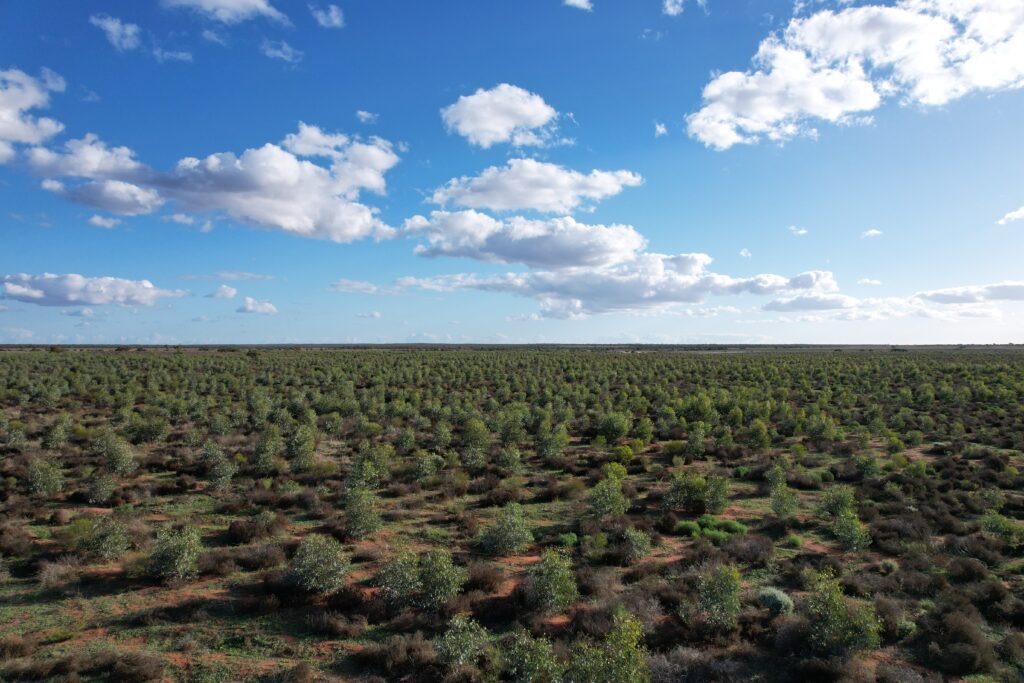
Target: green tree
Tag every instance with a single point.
(116, 452)
(695, 440)
(614, 427)
(56, 434)
(301, 448)
(718, 593)
(850, 531)
(220, 469)
(440, 579)
(361, 516)
(607, 499)
(45, 478)
(107, 539)
(839, 626)
(320, 564)
(268, 448)
(399, 578)
(621, 658)
(553, 582)
(464, 642)
(175, 555)
(509, 533)
(531, 660)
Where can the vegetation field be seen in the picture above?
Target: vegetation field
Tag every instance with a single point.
(511, 514)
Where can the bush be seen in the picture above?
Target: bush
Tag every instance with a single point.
(268, 448)
(607, 499)
(440, 579)
(837, 498)
(850, 531)
(697, 494)
(687, 527)
(552, 582)
(108, 539)
(101, 489)
(718, 593)
(620, 658)
(45, 478)
(508, 534)
(302, 448)
(775, 601)
(636, 545)
(530, 660)
(116, 452)
(219, 468)
(319, 565)
(361, 518)
(839, 626)
(175, 555)
(399, 579)
(463, 643)
(615, 426)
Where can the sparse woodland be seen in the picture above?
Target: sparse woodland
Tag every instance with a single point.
(511, 514)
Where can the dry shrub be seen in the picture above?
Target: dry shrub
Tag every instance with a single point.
(485, 576)
(53, 575)
(16, 646)
(138, 667)
(402, 654)
(335, 624)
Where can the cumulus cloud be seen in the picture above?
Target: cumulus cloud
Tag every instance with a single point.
(19, 94)
(660, 129)
(815, 301)
(651, 282)
(1012, 216)
(579, 4)
(873, 232)
(549, 243)
(102, 222)
(274, 186)
(869, 281)
(532, 184)
(837, 66)
(672, 8)
(72, 289)
(505, 113)
(372, 315)
(231, 11)
(799, 232)
(745, 253)
(163, 55)
(366, 116)
(279, 49)
(356, 286)
(250, 305)
(227, 275)
(122, 35)
(328, 17)
(223, 292)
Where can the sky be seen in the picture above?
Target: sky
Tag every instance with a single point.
(512, 171)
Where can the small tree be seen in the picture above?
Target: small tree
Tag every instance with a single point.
(268, 448)
(463, 643)
(361, 517)
(850, 531)
(839, 626)
(56, 434)
(837, 498)
(551, 442)
(302, 448)
(614, 427)
(219, 468)
(697, 494)
(509, 533)
(719, 596)
(45, 478)
(695, 440)
(101, 489)
(531, 660)
(116, 452)
(107, 540)
(757, 435)
(621, 658)
(607, 499)
(553, 581)
(440, 579)
(637, 545)
(320, 564)
(399, 579)
(175, 555)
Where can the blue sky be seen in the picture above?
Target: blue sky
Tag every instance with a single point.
(259, 171)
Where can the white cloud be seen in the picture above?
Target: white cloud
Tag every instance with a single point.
(356, 286)
(873, 232)
(251, 305)
(651, 282)
(163, 55)
(372, 315)
(115, 196)
(228, 275)
(1000, 291)
(745, 253)
(869, 281)
(1012, 216)
(366, 116)
(579, 4)
(88, 157)
(329, 17)
(211, 36)
(799, 232)
(20, 93)
(549, 243)
(223, 292)
(72, 289)
(532, 184)
(660, 129)
(279, 49)
(836, 66)
(180, 218)
(101, 222)
(673, 8)
(231, 11)
(505, 113)
(815, 301)
(123, 36)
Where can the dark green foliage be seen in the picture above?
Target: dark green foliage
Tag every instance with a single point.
(361, 516)
(719, 596)
(838, 625)
(319, 565)
(509, 534)
(553, 584)
(175, 555)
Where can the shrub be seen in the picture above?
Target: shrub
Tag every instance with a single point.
(508, 534)
(361, 517)
(620, 658)
(463, 643)
(175, 555)
(399, 579)
(510, 460)
(219, 468)
(718, 593)
(268, 448)
(440, 579)
(687, 527)
(45, 478)
(850, 531)
(56, 434)
(607, 499)
(837, 498)
(116, 452)
(839, 626)
(319, 565)
(697, 494)
(636, 545)
(531, 660)
(552, 581)
(101, 489)
(301, 448)
(775, 601)
(615, 426)
(108, 539)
